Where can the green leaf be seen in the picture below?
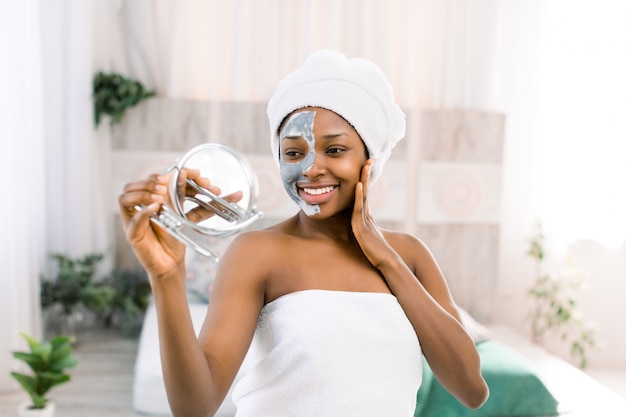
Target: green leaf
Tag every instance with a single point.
(63, 362)
(32, 360)
(47, 361)
(113, 94)
(32, 343)
(26, 381)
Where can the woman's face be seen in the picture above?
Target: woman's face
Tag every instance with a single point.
(321, 156)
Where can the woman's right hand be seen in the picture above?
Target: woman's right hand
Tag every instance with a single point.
(158, 252)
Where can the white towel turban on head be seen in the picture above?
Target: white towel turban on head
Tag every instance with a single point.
(356, 89)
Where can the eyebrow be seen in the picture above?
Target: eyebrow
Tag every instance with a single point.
(334, 135)
(293, 137)
(340, 137)
(325, 137)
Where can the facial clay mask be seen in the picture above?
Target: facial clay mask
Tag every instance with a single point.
(298, 127)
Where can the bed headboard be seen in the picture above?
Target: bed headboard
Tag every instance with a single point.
(458, 201)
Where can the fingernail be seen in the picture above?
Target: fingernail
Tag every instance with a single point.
(156, 197)
(160, 188)
(154, 207)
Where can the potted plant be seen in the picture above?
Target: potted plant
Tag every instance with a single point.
(74, 287)
(555, 309)
(131, 297)
(47, 361)
(114, 93)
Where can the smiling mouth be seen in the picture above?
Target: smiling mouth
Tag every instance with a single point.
(318, 191)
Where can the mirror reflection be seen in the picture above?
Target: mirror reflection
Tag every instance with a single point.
(213, 192)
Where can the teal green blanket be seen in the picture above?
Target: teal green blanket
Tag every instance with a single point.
(515, 389)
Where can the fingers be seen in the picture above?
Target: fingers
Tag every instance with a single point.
(365, 176)
(234, 197)
(206, 184)
(138, 226)
(193, 175)
(361, 190)
(141, 199)
(199, 213)
(362, 221)
(143, 196)
(358, 199)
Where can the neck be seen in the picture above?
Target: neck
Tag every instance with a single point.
(337, 227)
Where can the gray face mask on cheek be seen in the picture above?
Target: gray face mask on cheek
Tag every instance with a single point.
(298, 125)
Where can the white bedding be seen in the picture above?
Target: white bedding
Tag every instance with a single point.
(579, 395)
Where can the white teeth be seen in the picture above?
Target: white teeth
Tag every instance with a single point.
(318, 191)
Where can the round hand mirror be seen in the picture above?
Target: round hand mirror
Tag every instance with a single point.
(197, 210)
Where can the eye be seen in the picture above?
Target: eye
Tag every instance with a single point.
(292, 154)
(335, 150)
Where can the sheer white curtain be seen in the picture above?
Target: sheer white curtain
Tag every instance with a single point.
(580, 143)
(564, 100)
(76, 166)
(436, 53)
(564, 96)
(23, 177)
(51, 163)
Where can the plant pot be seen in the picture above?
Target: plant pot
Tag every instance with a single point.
(69, 323)
(24, 410)
(130, 323)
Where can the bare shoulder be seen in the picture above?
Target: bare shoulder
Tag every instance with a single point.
(257, 250)
(264, 240)
(418, 257)
(256, 239)
(406, 244)
(244, 271)
(415, 254)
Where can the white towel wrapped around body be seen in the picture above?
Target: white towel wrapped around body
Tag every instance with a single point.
(331, 353)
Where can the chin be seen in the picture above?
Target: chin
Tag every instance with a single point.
(309, 209)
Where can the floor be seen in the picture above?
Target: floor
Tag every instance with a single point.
(101, 385)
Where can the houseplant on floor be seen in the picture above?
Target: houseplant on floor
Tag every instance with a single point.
(47, 361)
(555, 311)
(131, 297)
(75, 288)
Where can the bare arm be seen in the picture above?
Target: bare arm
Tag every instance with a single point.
(199, 372)
(427, 302)
(448, 348)
(193, 371)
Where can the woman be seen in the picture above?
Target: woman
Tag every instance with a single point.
(331, 312)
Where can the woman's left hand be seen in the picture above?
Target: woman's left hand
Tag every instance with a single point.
(368, 235)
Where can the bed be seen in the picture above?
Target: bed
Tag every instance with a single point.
(524, 379)
(578, 394)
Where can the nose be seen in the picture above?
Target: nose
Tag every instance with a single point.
(317, 167)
